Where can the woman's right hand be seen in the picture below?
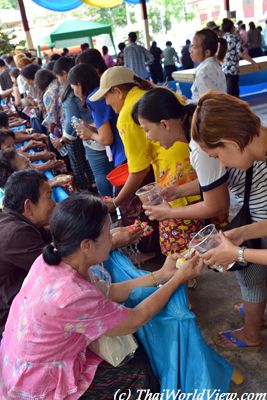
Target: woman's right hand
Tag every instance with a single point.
(86, 131)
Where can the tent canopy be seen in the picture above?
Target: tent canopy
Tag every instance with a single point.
(77, 29)
(73, 32)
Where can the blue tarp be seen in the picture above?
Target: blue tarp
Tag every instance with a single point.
(177, 352)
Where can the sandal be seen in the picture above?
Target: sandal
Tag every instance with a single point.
(239, 307)
(238, 344)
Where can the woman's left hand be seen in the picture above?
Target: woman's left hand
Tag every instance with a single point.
(225, 254)
(122, 236)
(160, 212)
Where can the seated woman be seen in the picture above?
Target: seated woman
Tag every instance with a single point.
(59, 301)
(11, 161)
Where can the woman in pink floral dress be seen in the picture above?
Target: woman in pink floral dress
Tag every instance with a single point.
(58, 312)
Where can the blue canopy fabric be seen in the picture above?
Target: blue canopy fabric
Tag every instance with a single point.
(66, 5)
(177, 352)
(62, 5)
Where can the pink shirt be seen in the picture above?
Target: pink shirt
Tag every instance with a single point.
(56, 314)
(108, 61)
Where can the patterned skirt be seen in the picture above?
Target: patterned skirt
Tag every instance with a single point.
(129, 378)
(175, 234)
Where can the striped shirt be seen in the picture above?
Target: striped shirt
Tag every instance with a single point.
(258, 193)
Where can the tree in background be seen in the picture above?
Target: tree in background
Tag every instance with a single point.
(8, 4)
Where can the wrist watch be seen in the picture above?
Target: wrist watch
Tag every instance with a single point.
(240, 258)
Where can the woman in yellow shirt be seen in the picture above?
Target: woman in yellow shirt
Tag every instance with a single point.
(165, 119)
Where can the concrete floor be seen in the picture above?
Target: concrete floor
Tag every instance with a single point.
(212, 302)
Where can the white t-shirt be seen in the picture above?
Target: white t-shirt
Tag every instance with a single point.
(22, 85)
(212, 174)
(209, 76)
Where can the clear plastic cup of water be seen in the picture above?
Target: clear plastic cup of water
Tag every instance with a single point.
(150, 194)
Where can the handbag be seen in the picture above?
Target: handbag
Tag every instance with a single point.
(114, 349)
(244, 218)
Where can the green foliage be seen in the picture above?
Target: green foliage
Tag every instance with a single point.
(6, 47)
(8, 4)
(165, 12)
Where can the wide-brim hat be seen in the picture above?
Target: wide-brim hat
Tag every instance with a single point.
(212, 26)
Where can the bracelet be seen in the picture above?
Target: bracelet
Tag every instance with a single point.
(154, 280)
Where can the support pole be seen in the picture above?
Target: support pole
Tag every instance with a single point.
(227, 8)
(146, 29)
(25, 25)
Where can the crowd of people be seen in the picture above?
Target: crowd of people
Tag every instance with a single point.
(88, 116)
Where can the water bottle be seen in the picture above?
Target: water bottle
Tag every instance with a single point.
(62, 151)
(76, 122)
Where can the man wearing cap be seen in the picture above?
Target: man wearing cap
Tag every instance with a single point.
(136, 57)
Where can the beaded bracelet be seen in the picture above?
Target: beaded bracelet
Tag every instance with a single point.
(154, 280)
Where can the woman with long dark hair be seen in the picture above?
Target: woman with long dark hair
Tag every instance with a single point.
(72, 107)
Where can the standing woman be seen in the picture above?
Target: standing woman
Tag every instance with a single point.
(155, 68)
(72, 106)
(84, 80)
(208, 50)
(162, 117)
(254, 41)
(225, 128)
(230, 65)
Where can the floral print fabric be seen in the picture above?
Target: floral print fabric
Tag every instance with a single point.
(52, 320)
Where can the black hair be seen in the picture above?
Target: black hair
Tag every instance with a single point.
(9, 59)
(86, 76)
(252, 25)
(210, 42)
(105, 50)
(54, 57)
(94, 58)
(63, 64)
(29, 71)
(5, 134)
(121, 46)
(168, 43)
(2, 63)
(188, 41)
(132, 37)
(161, 103)
(227, 25)
(28, 54)
(154, 44)
(50, 65)
(7, 166)
(84, 46)
(79, 217)
(14, 72)
(259, 28)
(243, 26)
(65, 52)
(23, 185)
(3, 120)
(43, 78)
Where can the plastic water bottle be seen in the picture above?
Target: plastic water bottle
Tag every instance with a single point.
(62, 151)
(76, 122)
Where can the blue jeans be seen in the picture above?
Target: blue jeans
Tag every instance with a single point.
(100, 166)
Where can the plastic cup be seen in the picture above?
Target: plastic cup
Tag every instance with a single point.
(150, 194)
(207, 238)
